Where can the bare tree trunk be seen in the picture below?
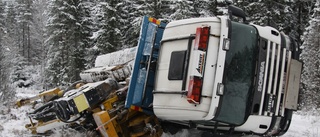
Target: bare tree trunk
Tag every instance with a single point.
(29, 44)
(23, 39)
(299, 22)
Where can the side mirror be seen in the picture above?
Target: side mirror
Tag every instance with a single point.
(236, 11)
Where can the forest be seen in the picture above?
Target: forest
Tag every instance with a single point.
(47, 43)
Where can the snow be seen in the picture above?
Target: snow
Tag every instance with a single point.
(13, 121)
(304, 126)
(116, 58)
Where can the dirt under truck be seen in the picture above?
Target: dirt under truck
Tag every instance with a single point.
(212, 74)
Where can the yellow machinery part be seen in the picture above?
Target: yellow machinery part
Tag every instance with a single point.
(109, 102)
(54, 91)
(109, 129)
(42, 127)
(133, 123)
(138, 126)
(46, 95)
(81, 102)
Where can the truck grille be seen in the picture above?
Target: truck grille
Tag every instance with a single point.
(275, 79)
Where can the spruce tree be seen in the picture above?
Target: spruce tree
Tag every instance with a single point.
(11, 37)
(302, 9)
(37, 30)
(25, 22)
(108, 36)
(57, 55)
(2, 20)
(85, 34)
(311, 58)
(61, 41)
(3, 74)
(154, 8)
(183, 9)
(131, 26)
(81, 36)
(211, 8)
(69, 31)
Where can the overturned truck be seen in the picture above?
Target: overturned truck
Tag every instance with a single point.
(212, 74)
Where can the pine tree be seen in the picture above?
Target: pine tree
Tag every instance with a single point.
(25, 23)
(69, 31)
(2, 20)
(86, 30)
(6, 90)
(37, 30)
(11, 37)
(9, 16)
(2, 56)
(154, 8)
(311, 58)
(59, 28)
(257, 11)
(108, 37)
(134, 11)
(183, 9)
(56, 57)
(201, 7)
(167, 9)
(82, 34)
(211, 8)
(95, 16)
(280, 14)
(131, 26)
(19, 76)
(143, 8)
(302, 9)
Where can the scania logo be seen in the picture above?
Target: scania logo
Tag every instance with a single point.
(261, 74)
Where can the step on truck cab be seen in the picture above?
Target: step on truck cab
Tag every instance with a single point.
(217, 74)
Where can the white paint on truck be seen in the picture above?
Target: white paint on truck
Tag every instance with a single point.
(175, 106)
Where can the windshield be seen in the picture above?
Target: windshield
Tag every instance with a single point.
(238, 74)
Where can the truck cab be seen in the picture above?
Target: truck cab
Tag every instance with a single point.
(217, 74)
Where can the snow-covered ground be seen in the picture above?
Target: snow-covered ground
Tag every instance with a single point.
(13, 120)
(304, 126)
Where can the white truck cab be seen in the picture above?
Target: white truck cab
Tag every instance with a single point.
(219, 74)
